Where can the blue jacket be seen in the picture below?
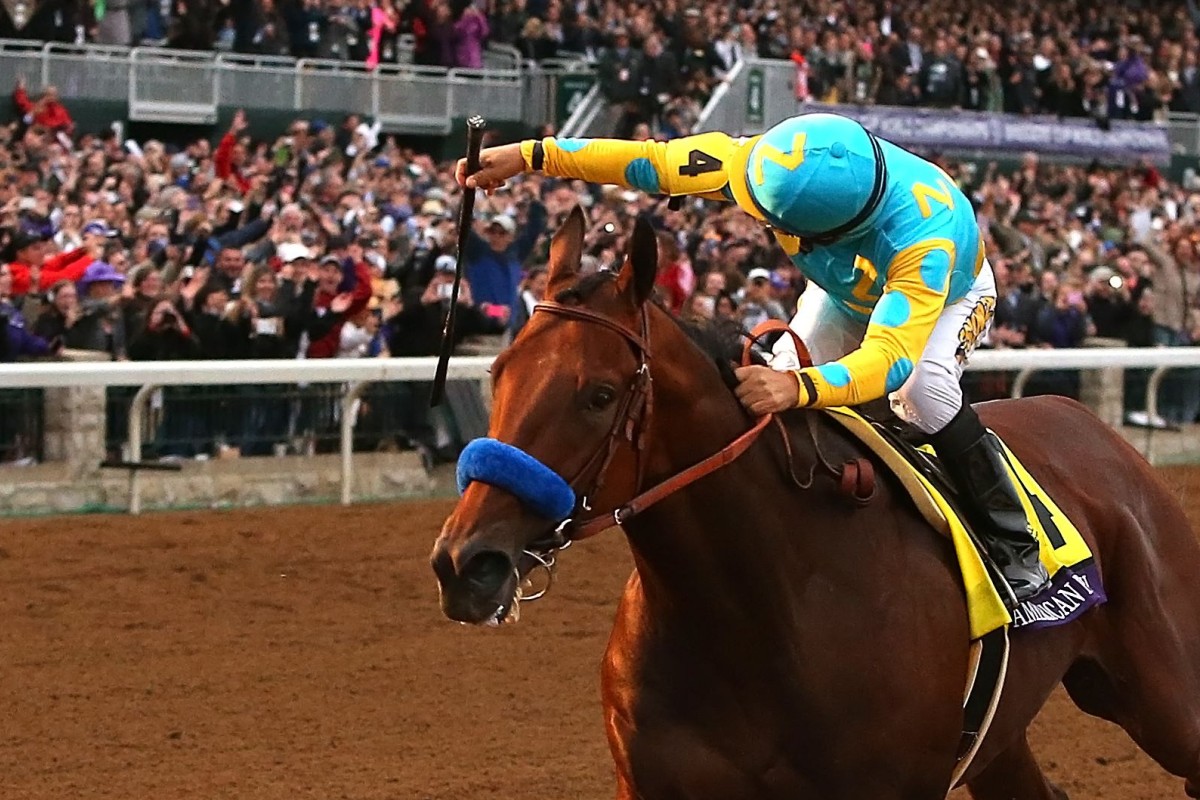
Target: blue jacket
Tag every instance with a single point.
(19, 341)
(494, 276)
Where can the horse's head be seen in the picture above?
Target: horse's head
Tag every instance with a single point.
(572, 401)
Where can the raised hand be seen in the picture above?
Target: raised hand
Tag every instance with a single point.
(496, 165)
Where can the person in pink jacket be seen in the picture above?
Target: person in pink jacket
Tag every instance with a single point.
(471, 30)
(383, 18)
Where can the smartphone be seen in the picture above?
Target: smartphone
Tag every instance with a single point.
(444, 290)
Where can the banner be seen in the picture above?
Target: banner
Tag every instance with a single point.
(946, 130)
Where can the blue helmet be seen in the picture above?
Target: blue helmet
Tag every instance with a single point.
(817, 176)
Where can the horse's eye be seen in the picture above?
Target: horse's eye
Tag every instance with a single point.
(602, 397)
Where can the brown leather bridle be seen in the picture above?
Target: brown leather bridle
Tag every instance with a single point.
(630, 425)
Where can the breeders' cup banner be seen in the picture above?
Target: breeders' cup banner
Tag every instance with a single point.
(1073, 591)
(934, 129)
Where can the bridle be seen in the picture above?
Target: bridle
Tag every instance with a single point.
(855, 478)
(629, 426)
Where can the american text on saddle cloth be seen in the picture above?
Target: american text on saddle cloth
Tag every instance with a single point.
(1075, 585)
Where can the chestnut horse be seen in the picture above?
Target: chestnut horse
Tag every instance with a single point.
(780, 643)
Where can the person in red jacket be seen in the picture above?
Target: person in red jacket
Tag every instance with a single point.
(32, 271)
(231, 155)
(333, 303)
(47, 111)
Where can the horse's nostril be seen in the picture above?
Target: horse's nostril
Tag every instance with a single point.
(486, 572)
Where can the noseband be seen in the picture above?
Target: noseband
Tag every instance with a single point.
(630, 425)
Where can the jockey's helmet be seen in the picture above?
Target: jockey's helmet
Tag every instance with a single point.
(816, 176)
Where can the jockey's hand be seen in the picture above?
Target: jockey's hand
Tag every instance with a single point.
(763, 390)
(496, 165)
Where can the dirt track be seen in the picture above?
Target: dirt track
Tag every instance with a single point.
(300, 653)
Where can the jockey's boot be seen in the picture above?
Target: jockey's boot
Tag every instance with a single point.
(974, 458)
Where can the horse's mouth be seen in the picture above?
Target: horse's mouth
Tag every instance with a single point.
(482, 594)
(506, 613)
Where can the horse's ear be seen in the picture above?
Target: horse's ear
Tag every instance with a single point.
(566, 248)
(641, 262)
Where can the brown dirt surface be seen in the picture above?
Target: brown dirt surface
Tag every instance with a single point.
(299, 652)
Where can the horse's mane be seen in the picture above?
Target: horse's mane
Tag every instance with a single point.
(720, 340)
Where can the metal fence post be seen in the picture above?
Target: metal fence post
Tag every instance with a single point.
(352, 393)
(136, 407)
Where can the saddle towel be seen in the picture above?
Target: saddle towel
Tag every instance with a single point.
(1075, 582)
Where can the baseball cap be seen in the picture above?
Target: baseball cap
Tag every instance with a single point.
(99, 227)
(444, 263)
(99, 271)
(758, 274)
(292, 251)
(1101, 274)
(504, 221)
(433, 208)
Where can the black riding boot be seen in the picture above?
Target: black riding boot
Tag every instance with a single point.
(974, 458)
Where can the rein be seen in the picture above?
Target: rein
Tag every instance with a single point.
(630, 424)
(856, 478)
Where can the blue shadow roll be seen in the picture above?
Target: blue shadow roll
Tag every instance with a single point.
(506, 467)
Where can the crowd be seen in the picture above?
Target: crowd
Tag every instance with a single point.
(1100, 58)
(330, 241)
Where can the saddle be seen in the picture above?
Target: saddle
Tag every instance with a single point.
(905, 453)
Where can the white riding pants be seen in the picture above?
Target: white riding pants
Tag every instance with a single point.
(932, 395)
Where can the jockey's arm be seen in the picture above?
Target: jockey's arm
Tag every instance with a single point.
(692, 165)
(914, 296)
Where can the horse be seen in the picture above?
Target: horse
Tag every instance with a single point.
(778, 642)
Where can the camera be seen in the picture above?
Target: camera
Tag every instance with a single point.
(1115, 282)
(266, 327)
(610, 227)
(444, 290)
(188, 273)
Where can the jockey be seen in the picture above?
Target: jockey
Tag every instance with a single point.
(899, 289)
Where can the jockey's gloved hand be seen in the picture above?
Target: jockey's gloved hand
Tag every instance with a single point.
(763, 390)
(496, 165)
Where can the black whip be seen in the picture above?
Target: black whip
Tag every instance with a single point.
(466, 211)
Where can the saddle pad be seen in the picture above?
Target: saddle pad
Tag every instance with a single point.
(1075, 585)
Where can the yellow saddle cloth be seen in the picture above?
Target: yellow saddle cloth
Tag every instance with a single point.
(1075, 581)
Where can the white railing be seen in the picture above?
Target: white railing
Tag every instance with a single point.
(167, 85)
(357, 374)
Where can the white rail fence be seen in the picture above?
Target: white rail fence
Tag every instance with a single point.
(356, 374)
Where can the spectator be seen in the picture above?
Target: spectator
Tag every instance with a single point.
(417, 328)
(47, 112)
(30, 268)
(757, 304)
(18, 340)
(1063, 322)
(383, 25)
(113, 25)
(231, 155)
(1187, 83)
(660, 73)
(147, 287)
(60, 313)
(533, 42)
(184, 424)
(620, 73)
(533, 291)
(675, 277)
(496, 252)
(101, 326)
(941, 76)
(1109, 305)
(470, 31)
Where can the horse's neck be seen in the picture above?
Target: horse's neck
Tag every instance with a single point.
(717, 535)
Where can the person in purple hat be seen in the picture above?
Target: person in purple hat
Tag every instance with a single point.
(100, 326)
